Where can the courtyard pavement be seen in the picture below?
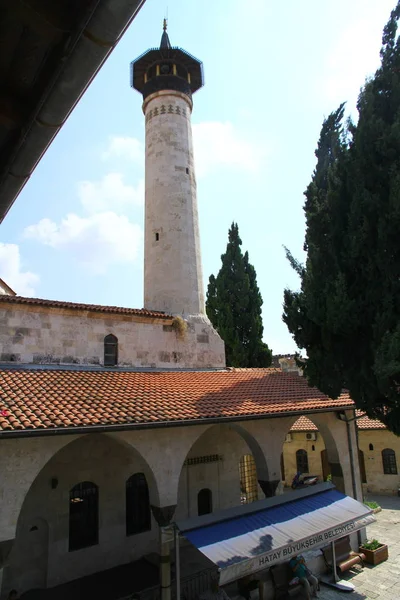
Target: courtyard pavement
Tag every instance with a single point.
(383, 581)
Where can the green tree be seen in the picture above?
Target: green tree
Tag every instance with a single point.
(234, 307)
(347, 312)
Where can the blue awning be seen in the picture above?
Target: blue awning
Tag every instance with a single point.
(252, 541)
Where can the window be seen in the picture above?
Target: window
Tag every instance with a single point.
(248, 479)
(138, 516)
(302, 461)
(83, 516)
(204, 502)
(371, 447)
(110, 350)
(389, 462)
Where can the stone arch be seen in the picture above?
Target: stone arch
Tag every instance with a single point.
(212, 461)
(108, 462)
(334, 436)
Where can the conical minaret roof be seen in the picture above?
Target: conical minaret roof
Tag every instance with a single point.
(165, 43)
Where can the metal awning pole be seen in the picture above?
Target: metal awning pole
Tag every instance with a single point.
(335, 577)
(177, 564)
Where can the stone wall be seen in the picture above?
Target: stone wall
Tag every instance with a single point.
(34, 512)
(40, 556)
(220, 475)
(313, 448)
(377, 481)
(50, 335)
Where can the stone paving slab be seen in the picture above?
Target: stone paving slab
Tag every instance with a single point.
(383, 581)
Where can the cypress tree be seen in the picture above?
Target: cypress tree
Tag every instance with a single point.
(347, 313)
(234, 307)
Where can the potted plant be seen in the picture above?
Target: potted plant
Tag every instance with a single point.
(375, 552)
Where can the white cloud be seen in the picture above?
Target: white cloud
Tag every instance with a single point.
(104, 234)
(124, 147)
(96, 241)
(22, 282)
(219, 144)
(355, 56)
(110, 193)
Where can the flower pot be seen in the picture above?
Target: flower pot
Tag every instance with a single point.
(374, 557)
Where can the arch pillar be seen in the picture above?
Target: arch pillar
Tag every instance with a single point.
(163, 516)
(266, 437)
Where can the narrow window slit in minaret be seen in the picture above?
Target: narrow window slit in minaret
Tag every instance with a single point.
(187, 171)
(157, 236)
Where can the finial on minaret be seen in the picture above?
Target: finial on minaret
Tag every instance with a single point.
(165, 43)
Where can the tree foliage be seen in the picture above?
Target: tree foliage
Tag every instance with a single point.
(347, 312)
(234, 307)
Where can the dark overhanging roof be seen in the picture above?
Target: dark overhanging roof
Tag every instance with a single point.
(50, 52)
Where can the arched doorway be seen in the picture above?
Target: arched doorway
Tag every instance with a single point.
(204, 502)
(310, 448)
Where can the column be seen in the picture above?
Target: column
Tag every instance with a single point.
(163, 516)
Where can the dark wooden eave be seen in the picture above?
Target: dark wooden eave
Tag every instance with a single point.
(50, 50)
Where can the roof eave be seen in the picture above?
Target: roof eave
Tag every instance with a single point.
(162, 424)
(59, 100)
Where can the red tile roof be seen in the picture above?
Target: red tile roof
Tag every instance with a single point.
(43, 399)
(90, 307)
(367, 423)
(303, 424)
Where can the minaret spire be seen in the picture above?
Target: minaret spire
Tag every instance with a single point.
(165, 43)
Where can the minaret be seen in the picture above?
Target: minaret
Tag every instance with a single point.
(173, 282)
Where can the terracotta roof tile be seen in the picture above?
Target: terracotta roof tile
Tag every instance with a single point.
(40, 398)
(89, 307)
(303, 424)
(367, 423)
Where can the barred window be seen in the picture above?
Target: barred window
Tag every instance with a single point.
(302, 461)
(138, 515)
(83, 515)
(389, 462)
(248, 479)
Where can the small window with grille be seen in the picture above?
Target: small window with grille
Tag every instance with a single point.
(138, 515)
(110, 350)
(389, 462)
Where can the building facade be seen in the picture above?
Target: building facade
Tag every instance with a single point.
(116, 421)
(379, 452)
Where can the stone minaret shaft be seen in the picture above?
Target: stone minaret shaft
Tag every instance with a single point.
(173, 281)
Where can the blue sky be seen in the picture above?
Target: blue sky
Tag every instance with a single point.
(273, 71)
